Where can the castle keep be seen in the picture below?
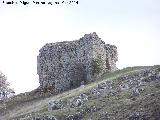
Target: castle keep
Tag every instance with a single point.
(66, 65)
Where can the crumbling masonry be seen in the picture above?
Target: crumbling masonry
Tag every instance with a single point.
(66, 65)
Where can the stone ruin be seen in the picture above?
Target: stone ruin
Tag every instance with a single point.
(65, 65)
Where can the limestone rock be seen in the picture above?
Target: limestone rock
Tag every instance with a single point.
(78, 101)
(103, 89)
(104, 116)
(135, 92)
(44, 117)
(55, 105)
(76, 116)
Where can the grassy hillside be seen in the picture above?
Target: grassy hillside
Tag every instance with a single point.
(132, 93)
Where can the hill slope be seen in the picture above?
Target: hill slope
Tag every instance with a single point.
(129, 94)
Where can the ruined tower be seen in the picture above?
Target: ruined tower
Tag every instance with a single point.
(64, 65)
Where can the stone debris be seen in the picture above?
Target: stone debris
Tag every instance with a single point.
(76, 116)
(103, 89)
(135, 92)
(104, 116)
(137, 116)
(95, 92)
(139, 79)
(78, 101)
(73, 102)
(102, 85)
(44, 117)
(91, 109)
(55, 105)
(135, 82)
(124, 86)
(65, 65)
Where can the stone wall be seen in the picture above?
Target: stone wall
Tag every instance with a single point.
(111, 57)
(65, 65)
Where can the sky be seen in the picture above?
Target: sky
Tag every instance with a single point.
(132, 25)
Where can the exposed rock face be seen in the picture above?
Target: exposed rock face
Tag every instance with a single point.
(65, 65)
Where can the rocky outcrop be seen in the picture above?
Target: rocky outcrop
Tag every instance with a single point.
(65, 65)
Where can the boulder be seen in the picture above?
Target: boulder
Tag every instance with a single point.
(78, 101)
(55, 105)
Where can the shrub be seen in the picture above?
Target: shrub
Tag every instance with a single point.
(97, 65)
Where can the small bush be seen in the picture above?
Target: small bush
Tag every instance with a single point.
(97, 65)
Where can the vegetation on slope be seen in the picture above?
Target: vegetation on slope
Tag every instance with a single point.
(129, 94)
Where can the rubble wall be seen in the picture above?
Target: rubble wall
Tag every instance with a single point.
(65, 65)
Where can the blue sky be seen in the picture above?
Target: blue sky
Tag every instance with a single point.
(132, 25)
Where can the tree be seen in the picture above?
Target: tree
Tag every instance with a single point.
(5, 90)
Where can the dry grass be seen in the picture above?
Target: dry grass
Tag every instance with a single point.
(116, 105)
